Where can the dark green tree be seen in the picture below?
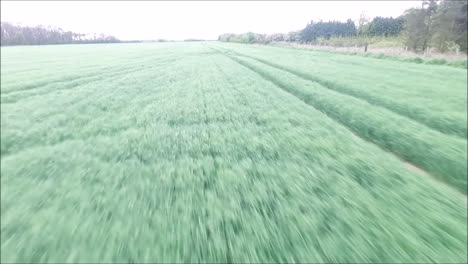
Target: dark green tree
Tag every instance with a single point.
(385, 26)
(329, 29)
(417, 25)
(449, 25)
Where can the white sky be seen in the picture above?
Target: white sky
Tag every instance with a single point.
(180, 20)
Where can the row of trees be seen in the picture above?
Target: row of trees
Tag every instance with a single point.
(24, 35)
(379, 26)
(251, 37)
(327, 30)
(382, 26)
(441, 25)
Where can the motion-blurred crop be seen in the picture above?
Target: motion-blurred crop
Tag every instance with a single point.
(218, 152)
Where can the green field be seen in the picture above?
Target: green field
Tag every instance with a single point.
(220, 152)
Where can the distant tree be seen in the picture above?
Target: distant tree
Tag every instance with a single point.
(350, 28)
(430, 9)
(39, 35)
(292, 36)
(276, 37)
(260, 38)
(385, 26)
(315, 30)
(363, 24)
(418, 25)
(449, 25)
(414, 28)
(248, 37)
(438, 25)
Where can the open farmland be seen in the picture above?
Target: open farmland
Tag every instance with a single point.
(216, 152)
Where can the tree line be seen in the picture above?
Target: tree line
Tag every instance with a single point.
(25, 35)
(438, 24)
(379, 26)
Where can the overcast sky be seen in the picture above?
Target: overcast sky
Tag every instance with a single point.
(180, 20)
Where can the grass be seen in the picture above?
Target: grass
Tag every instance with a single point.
(383, 51)
(420, 92)
(182, 154)
(372, 41)
(442, 155)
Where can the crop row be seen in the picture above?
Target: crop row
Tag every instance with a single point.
(42, 77)
(437, 153)
(205, 161)
(424, 93)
